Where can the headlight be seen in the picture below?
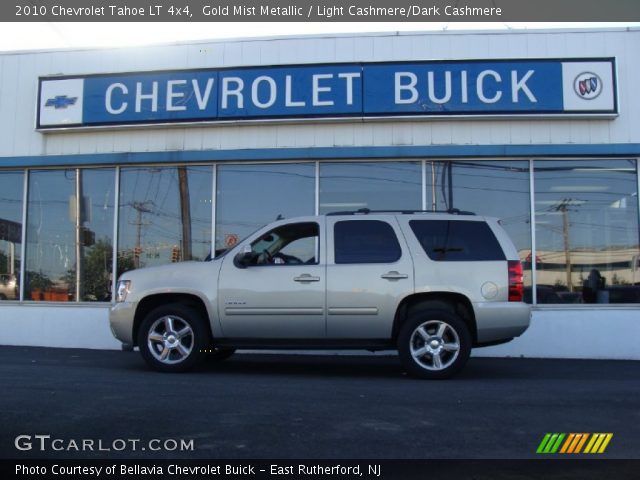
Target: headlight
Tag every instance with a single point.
(123, 290)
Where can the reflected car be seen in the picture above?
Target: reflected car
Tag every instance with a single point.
(8, 287)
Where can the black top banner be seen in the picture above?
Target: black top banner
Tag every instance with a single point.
(320, 11)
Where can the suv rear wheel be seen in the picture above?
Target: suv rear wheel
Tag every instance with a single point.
(434, 344)
(172, 338)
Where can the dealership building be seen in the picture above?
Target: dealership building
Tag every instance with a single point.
(114, 159)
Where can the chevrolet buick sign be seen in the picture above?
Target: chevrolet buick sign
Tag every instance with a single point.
(479, 88)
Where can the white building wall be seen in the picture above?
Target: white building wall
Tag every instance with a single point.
(57, 325)
(19, 73)
(553, 334)
(596, 333)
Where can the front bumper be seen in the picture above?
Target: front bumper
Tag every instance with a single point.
(121, 317)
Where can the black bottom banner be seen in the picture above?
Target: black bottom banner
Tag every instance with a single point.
(312, 469)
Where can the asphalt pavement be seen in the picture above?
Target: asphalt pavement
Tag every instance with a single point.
(266, 406)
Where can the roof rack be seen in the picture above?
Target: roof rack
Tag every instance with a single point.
(366, 211)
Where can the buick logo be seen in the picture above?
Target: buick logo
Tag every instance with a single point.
(587, 85)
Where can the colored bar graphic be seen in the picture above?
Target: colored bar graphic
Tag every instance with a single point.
(565, 447)
(596, 445)
(598, 442)
(553, 443)
(581, 443)
(543, 443)
(576, 439)
(578, 442)
(604, 445)
(590, 444)
(556, 445)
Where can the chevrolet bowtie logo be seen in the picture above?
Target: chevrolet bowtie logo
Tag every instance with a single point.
(61, 101)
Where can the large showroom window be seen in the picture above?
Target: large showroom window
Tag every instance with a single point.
(250, 196)
(587, 236)
(587, 231)
(164, 216)
(492, 188)
(11, 185)
(69, 235)
(376, 186)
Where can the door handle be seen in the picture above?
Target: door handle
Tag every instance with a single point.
(306, 278)
(393, 275)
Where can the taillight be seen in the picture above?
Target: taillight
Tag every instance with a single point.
(516, 288)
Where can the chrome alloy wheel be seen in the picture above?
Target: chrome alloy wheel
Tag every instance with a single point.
(170, 339)
(435, 345)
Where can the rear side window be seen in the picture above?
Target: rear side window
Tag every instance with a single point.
(457, 241)
(365, 241)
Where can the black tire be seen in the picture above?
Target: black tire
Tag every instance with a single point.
(218, 354)
(434, 344)
(173, 338)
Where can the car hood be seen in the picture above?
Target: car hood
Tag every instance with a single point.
(170, 270)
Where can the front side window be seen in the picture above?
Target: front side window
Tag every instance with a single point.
(457, 241)
(365, 241)
(294, 244)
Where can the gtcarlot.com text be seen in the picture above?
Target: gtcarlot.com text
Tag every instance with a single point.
(47, 443)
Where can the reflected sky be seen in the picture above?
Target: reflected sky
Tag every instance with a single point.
(150, 211)
(376, 186)
(51, 222)
(249, 196)
(586, 210)
(11, 185)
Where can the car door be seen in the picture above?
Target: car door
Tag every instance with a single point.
(280, 292)
(369, 270)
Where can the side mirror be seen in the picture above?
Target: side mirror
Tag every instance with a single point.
(244, 258)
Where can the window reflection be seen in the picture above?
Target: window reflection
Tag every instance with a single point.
(491, 188)
(96, 234)
(10, 233)
(69, 235)
(376, 186)
(250, 196)
(587, 231)
(165, 215)
(586, 215)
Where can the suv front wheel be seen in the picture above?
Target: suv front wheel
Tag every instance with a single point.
(434, 344)
(172, 338)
